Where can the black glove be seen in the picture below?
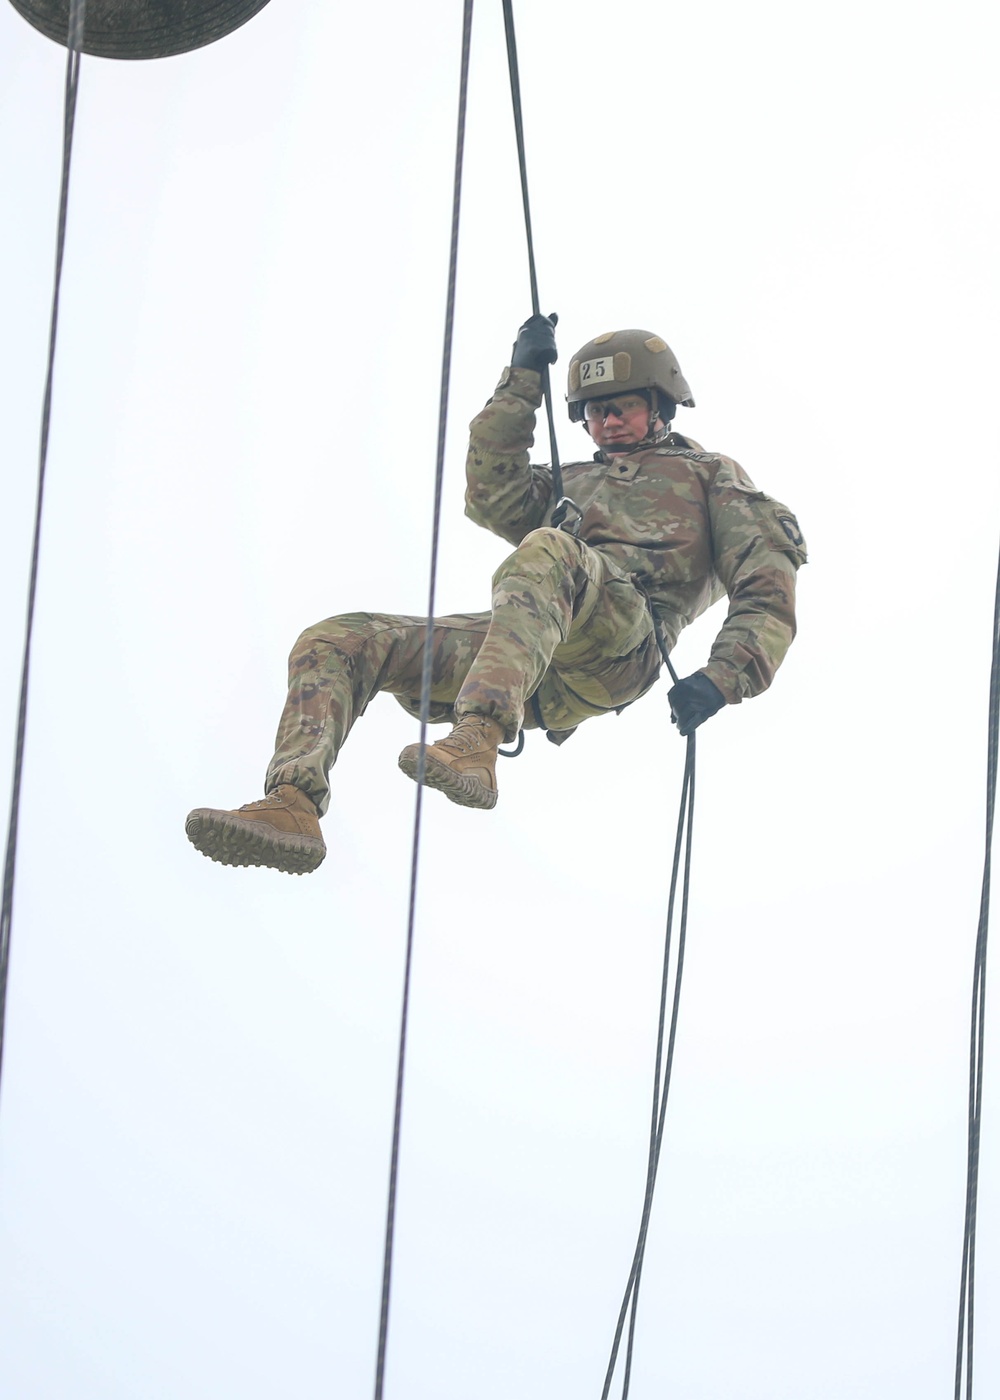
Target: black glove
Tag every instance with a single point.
(535, 346)
(694, 700)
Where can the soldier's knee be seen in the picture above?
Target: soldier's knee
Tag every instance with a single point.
(539, 549)
(331, 632)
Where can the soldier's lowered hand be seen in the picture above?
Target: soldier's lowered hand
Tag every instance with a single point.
(694, 700)
(535, 346)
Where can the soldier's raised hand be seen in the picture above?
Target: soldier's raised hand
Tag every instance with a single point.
(694, 700)
(535, 346)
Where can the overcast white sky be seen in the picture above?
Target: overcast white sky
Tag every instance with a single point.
(198, 1078)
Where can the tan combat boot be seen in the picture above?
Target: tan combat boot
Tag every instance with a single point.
(462, 765)
(282, 832)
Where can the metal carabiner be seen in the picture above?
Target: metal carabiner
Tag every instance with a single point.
(563, 520)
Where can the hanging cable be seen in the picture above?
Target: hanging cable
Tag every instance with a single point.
(977, 1048)
(662, 1069)
(685, 829)
(74, 44)
(425, 698)
(685, 820)
(566, 514)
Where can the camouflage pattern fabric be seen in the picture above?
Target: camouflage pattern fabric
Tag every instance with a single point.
(688, 526)
(670, 527)
(565, 626)
(335, 669)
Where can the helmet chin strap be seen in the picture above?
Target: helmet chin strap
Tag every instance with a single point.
(653, 435)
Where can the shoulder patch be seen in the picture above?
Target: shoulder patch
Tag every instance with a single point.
(790, 525)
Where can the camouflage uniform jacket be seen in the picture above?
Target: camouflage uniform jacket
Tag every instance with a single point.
(687, 526)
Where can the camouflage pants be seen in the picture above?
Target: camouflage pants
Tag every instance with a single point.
(566, 627)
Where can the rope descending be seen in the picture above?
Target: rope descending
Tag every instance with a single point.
(563, 505)
(977, 1048)
(425, 697)
(661, 1071)
(685, 820)
(74, 44)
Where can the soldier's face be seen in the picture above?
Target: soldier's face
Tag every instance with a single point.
(617, 422)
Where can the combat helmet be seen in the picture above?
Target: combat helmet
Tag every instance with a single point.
(619, 362)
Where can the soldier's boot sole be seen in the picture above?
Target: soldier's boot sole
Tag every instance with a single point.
(233, 840)
(463, 788)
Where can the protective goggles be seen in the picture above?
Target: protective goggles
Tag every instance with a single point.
(603, 409)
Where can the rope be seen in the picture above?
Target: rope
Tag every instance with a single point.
(661, 1071)
(74, 43)
(425, 697)
(661, 1074)
(685, 828)
(967, 1292)
(685, 820)
(562, 502)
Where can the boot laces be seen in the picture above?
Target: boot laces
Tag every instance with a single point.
(466, 737)
(271, 800)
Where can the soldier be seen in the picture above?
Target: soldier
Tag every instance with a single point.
(665, 530)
